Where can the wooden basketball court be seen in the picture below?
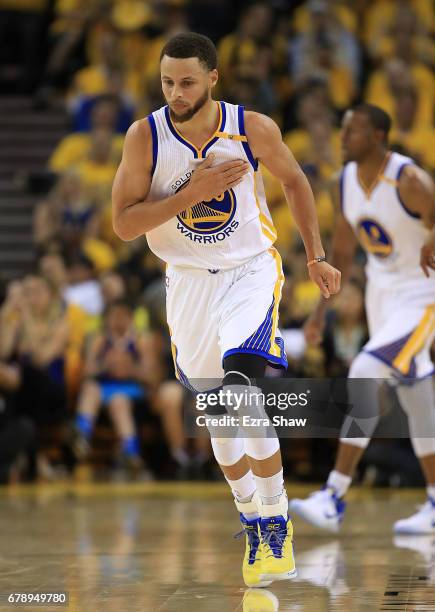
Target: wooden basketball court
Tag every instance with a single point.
(169, 547)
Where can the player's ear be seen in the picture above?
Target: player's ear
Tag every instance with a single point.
(213, 76)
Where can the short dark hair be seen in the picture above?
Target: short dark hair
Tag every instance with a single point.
(191, 44)
(379, 119)
(119, 303)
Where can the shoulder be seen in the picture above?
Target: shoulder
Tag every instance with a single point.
(139, 130)
(261, 126)
(414, 178)
(138, 142)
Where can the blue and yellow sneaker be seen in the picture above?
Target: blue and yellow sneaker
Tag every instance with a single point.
(276, 532)
(256, 600)
(252, 560)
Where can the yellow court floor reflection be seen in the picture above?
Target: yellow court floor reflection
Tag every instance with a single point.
(169, 547)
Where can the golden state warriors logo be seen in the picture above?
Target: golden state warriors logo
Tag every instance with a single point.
(374, 238)
(210, 221)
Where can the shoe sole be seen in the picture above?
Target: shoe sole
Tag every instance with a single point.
(284, 576)
(410, 532)
(259, 585)
(335, 528)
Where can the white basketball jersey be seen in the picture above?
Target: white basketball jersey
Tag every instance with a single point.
(390, 234)
(225, 232)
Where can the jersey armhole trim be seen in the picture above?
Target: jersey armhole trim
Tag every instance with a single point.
(341, 194)
(155, 141)
(411, 213)
(245, 145)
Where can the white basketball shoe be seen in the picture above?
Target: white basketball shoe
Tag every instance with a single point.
(322, 509)
(420, 523)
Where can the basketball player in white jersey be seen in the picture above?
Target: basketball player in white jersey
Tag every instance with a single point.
(190, 181)
(388, 203)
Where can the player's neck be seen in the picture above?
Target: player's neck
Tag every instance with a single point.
(370, 168)
(204, 122)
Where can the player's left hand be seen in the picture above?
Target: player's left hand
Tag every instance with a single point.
(326, 277)
(427, 257)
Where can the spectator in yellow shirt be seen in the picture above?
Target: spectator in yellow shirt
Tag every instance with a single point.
(74, 148)
(419, 143)
(94, 80)
(98, 170)
(255, 31)
(400, 72)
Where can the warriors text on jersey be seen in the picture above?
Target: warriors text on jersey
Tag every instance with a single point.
(225, 232)
(400, 300)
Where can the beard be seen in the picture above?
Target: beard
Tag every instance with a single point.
(190, 112)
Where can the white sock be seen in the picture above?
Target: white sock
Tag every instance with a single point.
(431, 491)
(244, 488)
(270, 488)
(339, 482)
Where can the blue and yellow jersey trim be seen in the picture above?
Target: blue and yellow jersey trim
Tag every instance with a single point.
(401, 353)
(180, 375)
(155, 141)
(264, 341)
(245, 144)
(267, 226)
(199, 153)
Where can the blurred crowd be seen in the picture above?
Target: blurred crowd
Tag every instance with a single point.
(83, 339)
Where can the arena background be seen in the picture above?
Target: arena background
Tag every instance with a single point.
(74, 75)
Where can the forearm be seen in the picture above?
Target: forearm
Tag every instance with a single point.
(8, 342)
(136, 219)
(10, 377)
(301, 202)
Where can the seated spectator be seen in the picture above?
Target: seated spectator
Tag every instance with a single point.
(114, 288)
(98, 169)
(34, 332)
(66, 32)
(252, 90)
(282, 217)
(343, 11)
(68, 214)
(417, 142)
(52, 266)
(254, 34)
(317, 140)
(396, 74)
(83, 288)
(83, 109)
(93, 80)
(17, 432)
(74, 148)
(170, 402)
(118, 363)
(329, 53)
(385, 19)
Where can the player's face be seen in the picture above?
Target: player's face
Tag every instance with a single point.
(357, 137)
(186, 85)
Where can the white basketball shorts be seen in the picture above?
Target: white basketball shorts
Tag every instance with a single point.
(215, 313)
(402, 327)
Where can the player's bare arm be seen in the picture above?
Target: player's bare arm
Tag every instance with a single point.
(343, 247)
(133, 214)
(267, 146)
(417, 191)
